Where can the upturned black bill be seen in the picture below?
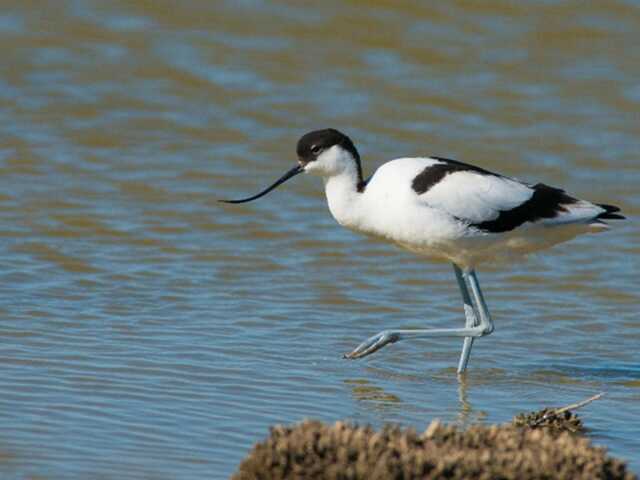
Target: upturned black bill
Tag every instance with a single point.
(291, 173)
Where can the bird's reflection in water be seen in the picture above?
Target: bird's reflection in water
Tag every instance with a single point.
(372, 396)
(467, 415)
(466, 410)
(377, 400)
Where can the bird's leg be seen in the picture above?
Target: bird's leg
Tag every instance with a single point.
(486, 324)
(485, 327)
(471, 319)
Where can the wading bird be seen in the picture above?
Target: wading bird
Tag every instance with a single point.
(441, 208)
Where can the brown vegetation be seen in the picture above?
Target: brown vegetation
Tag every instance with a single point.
(313, 450)
(548, 419)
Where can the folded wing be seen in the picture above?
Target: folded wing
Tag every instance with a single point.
(493, 203)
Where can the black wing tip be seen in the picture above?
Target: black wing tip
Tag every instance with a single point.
(610, 212)
(611, 216)
(609, 208)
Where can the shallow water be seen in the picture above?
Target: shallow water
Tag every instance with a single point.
(151, 332)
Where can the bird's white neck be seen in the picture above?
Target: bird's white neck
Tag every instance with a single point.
(343, 196)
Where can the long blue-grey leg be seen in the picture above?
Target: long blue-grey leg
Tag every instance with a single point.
(485, 326)
(470, 317)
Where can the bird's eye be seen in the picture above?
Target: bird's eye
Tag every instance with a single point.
(316, 149)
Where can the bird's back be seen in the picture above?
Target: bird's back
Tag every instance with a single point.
(448, 209)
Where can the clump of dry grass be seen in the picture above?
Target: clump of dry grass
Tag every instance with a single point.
(314, 450)
(555, 420)
(550, 420)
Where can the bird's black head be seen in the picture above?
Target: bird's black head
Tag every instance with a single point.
(317, 145)
(312, 144)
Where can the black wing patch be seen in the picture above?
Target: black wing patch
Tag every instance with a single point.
(431, 175)
(546, 202)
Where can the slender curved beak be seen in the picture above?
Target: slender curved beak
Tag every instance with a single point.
(291, 173)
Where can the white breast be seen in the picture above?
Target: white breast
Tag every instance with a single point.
(390, 208)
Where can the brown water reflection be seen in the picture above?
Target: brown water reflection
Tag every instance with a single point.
(365, 392)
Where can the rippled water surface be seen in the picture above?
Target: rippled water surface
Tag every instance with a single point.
(149, 331)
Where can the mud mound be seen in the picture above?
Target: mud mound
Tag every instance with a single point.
(313, 450)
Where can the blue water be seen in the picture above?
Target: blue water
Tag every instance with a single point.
(150, 332)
